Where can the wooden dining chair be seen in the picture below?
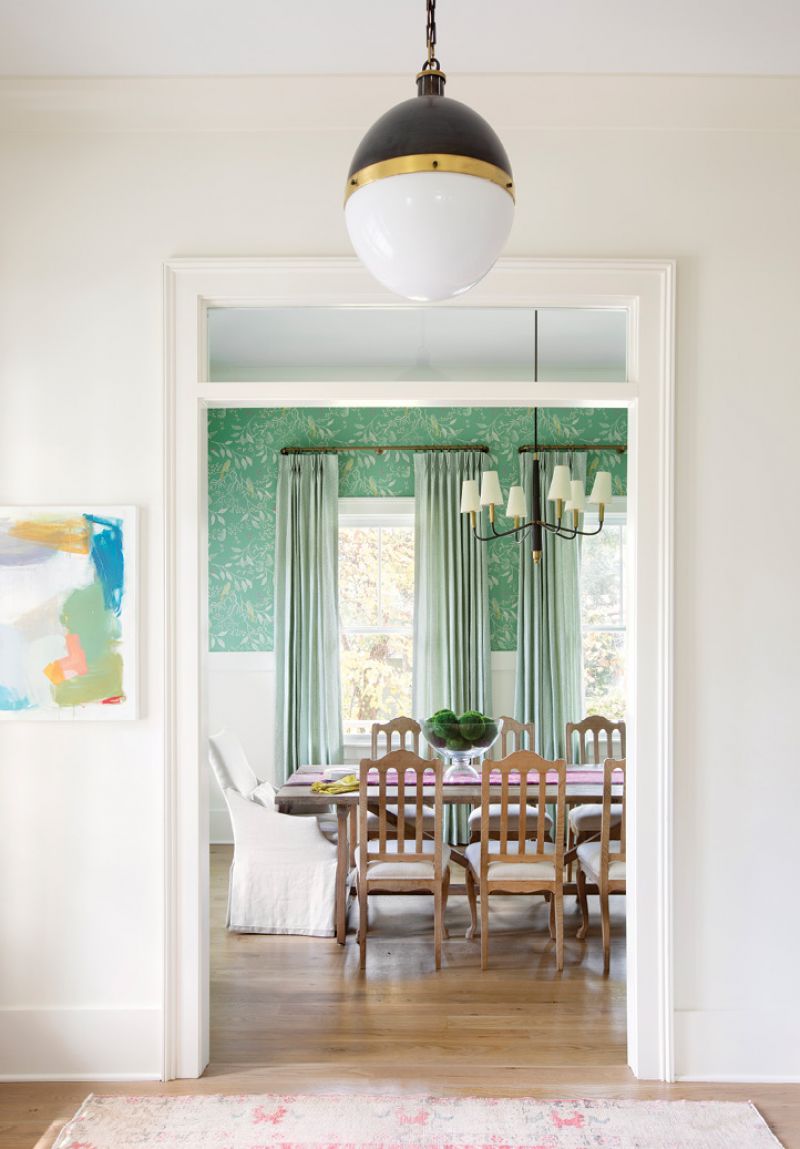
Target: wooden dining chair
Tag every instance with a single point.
(595, 743)
(513, 736)
(400, 858)
(601, 864)
(406, 734)
(522, 861)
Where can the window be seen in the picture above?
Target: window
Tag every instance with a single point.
(603, 594)
(376, 610)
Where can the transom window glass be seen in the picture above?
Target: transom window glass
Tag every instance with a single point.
(603, 618)
(415, 343)
(376, 608)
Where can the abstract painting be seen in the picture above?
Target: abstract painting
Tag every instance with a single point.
(67, 612)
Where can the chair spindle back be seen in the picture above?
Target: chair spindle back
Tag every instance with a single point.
(595, 734)
(406, 833)
(528, 771)
(405, 731)
(514, 735)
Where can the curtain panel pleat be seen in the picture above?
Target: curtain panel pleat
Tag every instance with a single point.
(308, 726)
(452, 653)
(549, 689)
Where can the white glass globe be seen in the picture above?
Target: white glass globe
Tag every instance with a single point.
(429, 235)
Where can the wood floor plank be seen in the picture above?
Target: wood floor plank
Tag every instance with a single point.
(294, 1015)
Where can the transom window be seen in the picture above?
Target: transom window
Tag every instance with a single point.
(376, 614)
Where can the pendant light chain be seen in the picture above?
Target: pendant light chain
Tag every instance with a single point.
(430, 36)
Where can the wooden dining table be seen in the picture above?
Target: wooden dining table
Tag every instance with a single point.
(295, 796)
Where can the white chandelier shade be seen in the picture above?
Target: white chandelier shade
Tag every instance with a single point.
(517, 505)
(601, 491)
(560, 485)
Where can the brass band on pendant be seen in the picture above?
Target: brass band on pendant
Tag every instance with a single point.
(429, 162)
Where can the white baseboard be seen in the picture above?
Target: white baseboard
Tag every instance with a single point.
(748, 1046)
(735, 1079)
(80, 1044)
(7, 1078)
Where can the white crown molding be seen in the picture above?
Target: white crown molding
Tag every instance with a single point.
(292, 104)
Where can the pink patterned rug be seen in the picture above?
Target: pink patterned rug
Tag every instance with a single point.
(351, 1121)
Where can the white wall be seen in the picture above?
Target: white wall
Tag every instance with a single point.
(102, 182)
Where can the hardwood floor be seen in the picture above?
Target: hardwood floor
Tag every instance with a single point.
(295, 1015)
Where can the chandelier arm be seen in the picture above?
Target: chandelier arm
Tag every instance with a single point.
(520, 530)
(559, 531)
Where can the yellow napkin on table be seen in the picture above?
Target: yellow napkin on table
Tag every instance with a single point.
(340, 786)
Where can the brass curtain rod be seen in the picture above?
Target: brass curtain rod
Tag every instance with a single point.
(380, 449)
(619, 448)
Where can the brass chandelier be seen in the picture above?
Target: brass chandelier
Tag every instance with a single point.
(567, 494)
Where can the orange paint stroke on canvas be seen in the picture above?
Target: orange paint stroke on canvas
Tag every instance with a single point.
(73, 665)
(71, 535)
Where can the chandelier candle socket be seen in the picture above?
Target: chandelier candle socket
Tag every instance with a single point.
(429, 197)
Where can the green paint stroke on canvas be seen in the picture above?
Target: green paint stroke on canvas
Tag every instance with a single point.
(84, 613)
(243, 447)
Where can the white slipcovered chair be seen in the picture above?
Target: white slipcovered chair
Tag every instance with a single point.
(283, 876)
(234, 772)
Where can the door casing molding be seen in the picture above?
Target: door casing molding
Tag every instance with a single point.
(646, 288)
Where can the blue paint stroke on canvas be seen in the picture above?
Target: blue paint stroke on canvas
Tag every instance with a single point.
(10, 699)
(108, 559)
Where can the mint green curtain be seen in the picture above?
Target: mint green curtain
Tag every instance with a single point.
(308, 725)
(452, 655)
(549, 688)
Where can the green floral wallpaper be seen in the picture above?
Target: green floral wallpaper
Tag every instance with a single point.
(243, 448)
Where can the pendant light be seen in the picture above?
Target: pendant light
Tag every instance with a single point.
(429, 199)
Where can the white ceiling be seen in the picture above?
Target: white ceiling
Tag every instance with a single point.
(273, 37)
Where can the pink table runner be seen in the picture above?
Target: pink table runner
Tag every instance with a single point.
(575, 776)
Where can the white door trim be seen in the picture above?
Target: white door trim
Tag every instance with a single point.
(646, 288)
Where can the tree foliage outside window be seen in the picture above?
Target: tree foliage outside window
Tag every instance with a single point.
(603, 619)
(376, 604)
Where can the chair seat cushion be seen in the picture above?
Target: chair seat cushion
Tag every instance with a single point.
(400, 869)
(586, 818)
(589, 859)
(513, 871)
(495, 808)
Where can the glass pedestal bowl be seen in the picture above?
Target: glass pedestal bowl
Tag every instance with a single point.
(460, 741)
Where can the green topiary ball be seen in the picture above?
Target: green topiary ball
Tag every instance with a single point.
(473, 725)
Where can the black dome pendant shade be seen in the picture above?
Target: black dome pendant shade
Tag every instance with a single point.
(431, 132)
